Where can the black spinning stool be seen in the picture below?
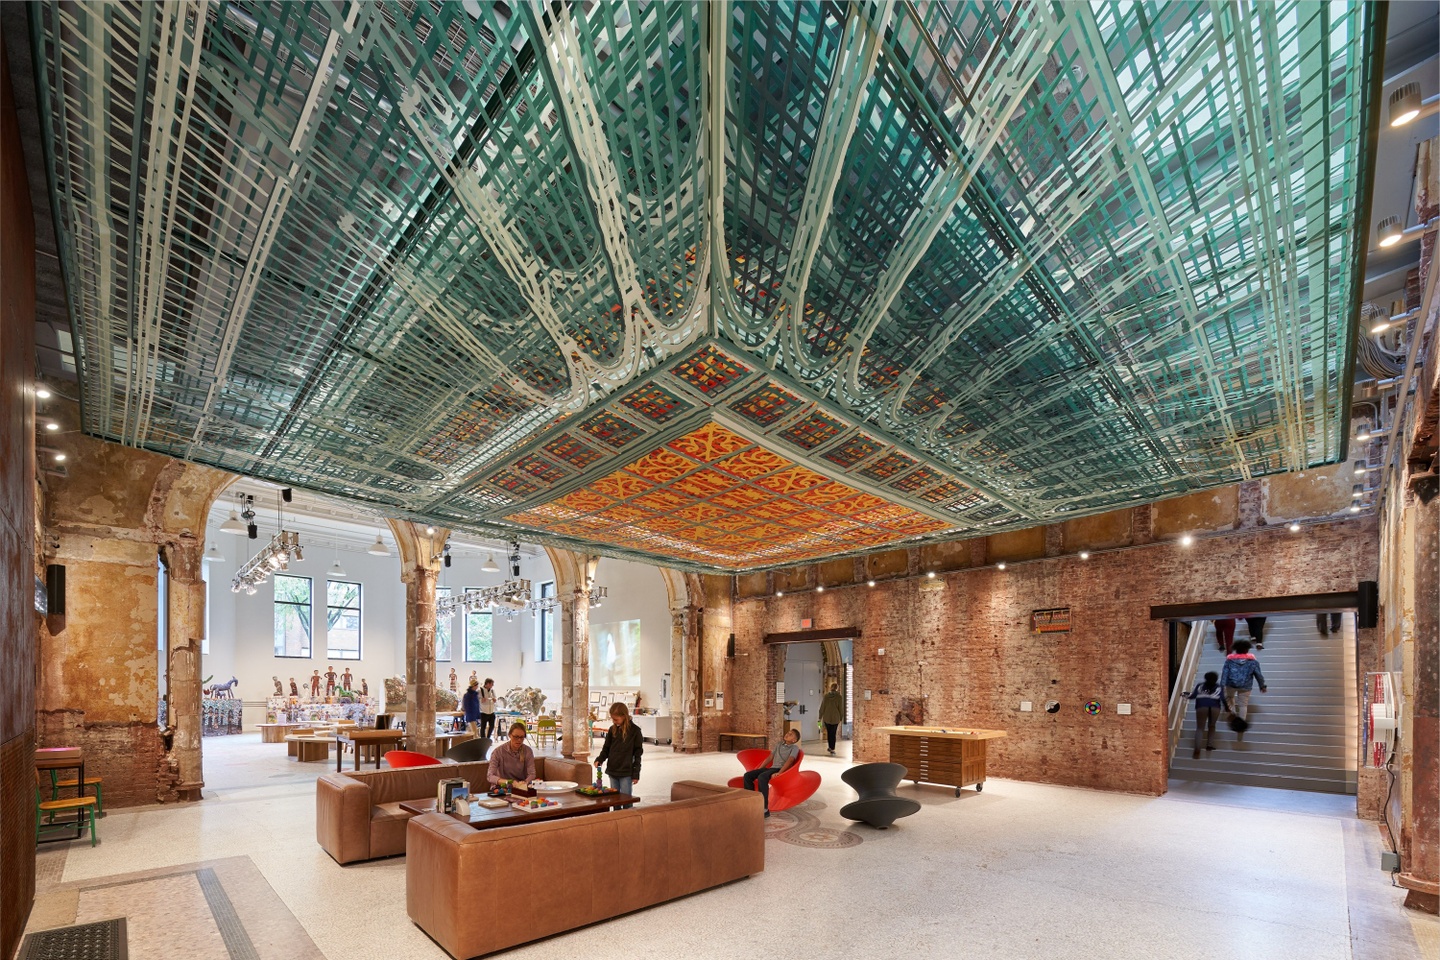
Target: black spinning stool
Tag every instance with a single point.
(878, 805)
(469, 751)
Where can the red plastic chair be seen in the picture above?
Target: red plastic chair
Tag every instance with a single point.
(409, 758)
(786, 789)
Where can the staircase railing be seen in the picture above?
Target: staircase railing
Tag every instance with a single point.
(1184, 680)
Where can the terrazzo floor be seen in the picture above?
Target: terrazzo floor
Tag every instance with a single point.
(1021, 870)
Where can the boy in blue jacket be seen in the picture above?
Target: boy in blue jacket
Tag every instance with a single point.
(1241, 673)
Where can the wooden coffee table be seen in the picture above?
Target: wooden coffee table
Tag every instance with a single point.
(571, 805)
(361, 739)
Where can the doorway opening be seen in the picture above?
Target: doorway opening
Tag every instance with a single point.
(811, 669)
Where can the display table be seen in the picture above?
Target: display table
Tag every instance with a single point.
(276, 732)
(308, 749)
(365, 741)
(570, 805)
(954, 756)
(653, 727)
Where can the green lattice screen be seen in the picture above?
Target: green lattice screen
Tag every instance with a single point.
(1053, 257)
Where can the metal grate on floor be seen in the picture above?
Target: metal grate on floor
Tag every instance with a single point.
(103, 940)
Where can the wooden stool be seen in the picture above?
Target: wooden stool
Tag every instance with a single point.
(97, 782)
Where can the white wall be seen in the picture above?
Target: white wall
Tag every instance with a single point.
(242, 626)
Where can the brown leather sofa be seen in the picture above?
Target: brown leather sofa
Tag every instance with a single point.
(358, 815)
(707, 835)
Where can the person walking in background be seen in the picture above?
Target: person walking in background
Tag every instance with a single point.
(832, 714)
(487, 707)
(624, 745)
(1241, 673)
(1225, 634)
(785, 755)
(1327, 623)
(1255, 626)
(1209, 697)
(470, 708)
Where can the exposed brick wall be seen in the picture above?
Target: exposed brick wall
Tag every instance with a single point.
(968, 649)
(133, 758)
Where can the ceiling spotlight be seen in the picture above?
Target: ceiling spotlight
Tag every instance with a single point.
(213, 554)
(819, 589)
(1294, 527)
(42, 394)
(378, 548)
(59, 457)
(1380, 326)
(430, 531)
(1186, 540)
(52, 426)
(999, 566)
(1355, 508)
(336, 570)
(1359, 467)
(1084, 554)
(779, 593)
(252, 531)
(872, 583)
(250, 589)
(1363, 433)
(930, 574)
(1404, 104)
(1357, 491)
(1388, 231)
(489, 566)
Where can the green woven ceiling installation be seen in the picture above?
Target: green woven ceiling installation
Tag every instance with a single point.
(994, 264)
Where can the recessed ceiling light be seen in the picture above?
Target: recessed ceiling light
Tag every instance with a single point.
(872, 583)
(930, 574)
(42, 394)
(1294, 527)
(1186, 540)
(52, 426)
(430, 531)
(779, 593)
(819, 589)
(59, 457)
(999, 566)
(1084, 554)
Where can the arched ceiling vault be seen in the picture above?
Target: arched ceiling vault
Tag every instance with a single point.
(722, 286)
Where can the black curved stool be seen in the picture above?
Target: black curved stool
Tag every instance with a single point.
(877, 805)
(469, 751)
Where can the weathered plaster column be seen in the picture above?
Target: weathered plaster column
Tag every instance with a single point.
(686, 599)
(574, 575)
(185, 634)
(420, 572)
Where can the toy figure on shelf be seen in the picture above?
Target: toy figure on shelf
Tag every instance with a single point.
(347, 679)
(330, 676)
(315, 685)
(453, 687)
(294, 690)
(279, 690)
(364, 687)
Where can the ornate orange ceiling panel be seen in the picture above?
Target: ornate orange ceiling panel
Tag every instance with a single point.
(715, 497)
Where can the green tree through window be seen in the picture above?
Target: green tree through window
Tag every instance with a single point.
(444, 627)
(342, 620)
(478, 636)
(293, 629)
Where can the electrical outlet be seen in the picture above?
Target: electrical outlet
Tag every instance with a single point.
(1026, 706)
(1123, 709)
(867, 694)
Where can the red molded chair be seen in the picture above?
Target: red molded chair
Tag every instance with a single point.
(409, 758)
(786, 789)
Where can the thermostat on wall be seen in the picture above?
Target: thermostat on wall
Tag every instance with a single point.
(1122, 708)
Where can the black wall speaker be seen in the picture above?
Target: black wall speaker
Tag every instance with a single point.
(1368, 614)
(730, 647)
(55, 589)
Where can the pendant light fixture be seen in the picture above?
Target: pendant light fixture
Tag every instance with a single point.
(490, 566)
(335, 569)
(233, 525)
(378, 548)
(214, 554)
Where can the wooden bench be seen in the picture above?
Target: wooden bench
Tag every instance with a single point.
(741, 736)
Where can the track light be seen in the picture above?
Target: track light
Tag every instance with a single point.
(1404, 104)
(1355, 508)
(872, 583)
(1359, 467)
(1294, 527)
(779, 593)
(489, 566)
(1388, 231)
(1084, 554)
(378, 548)
(1357, 492)
(998, 566)
(59, 458)
(930, 574)
(819, 589)
(52, 426)
(1363, 433)
(42, 394)
(1186, 540)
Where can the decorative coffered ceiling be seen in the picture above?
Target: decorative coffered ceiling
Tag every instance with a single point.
(920, 269)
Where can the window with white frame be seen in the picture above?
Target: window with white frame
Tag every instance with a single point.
(479, 636)
(444, 627)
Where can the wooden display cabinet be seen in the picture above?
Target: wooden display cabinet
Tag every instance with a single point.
(952, 756)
